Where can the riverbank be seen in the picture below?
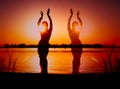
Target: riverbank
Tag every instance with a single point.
(59, 77)
(85, 80)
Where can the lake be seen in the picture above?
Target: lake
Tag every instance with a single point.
(26, 60)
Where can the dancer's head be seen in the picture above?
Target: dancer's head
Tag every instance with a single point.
(74, 25)
(45, 25)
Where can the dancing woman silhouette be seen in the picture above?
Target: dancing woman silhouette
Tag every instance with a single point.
(43, 46)
(74, 33)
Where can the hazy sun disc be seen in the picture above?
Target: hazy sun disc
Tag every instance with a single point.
(41, 28)
(78, 28)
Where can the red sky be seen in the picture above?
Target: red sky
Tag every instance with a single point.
(18, 20)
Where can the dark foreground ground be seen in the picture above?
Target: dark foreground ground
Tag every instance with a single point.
(58, 80)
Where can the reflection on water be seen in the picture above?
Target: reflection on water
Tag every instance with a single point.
(59, 60)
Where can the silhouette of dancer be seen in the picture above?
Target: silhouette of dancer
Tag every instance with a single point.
(74, 37)
(43, 46)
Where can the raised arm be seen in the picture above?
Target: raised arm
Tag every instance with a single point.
(39, 21)
(71, 11)
(80, 21)
(51, 25)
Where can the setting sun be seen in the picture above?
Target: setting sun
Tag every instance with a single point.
(41, 28)
(78, 28)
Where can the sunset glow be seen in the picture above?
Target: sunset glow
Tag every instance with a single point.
(41, 28)
(19, 21)
(77, 28)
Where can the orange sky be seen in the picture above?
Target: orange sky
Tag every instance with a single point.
(18, 20)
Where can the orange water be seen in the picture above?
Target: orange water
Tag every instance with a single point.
(59, 60)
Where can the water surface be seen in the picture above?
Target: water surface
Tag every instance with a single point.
(59, 60)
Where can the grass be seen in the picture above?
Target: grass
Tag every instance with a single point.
(8, 61)
(111, 61)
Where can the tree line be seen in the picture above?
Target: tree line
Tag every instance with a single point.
(53, 46)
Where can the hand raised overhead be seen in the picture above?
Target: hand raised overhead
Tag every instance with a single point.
(71, 11)
(48, 11)
(78, 13)
(41, 12)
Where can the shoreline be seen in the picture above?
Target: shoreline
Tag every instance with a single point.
(84, 80)
(39, 76)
